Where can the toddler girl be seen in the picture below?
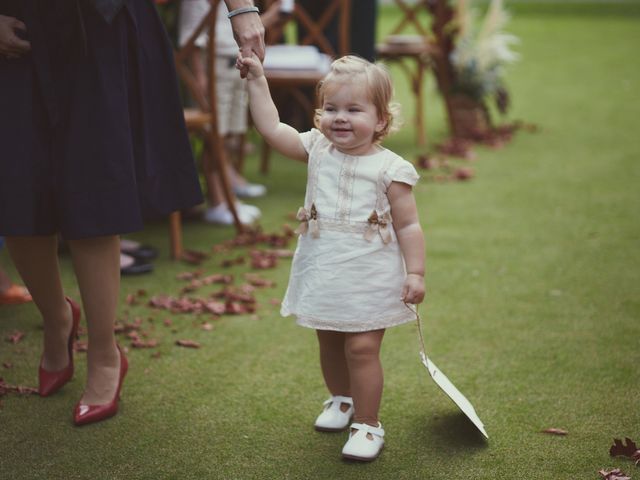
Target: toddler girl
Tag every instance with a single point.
(354, 267)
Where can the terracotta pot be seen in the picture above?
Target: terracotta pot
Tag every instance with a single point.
(469, 118)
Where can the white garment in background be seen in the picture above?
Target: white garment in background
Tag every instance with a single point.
(341, 281)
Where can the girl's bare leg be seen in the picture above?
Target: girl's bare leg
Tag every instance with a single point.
(36, 259)
(334, 364)
(362, 351)
(96, 262)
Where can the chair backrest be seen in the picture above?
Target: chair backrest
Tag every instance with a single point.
(315, 28)
(182, 54)
(411, 17)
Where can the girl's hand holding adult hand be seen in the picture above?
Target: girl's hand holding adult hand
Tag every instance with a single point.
(249, 34)
(413, 289)
(251, 65)
(12, 46)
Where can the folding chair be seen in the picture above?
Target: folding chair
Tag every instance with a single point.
(412, 52)
(203, 120)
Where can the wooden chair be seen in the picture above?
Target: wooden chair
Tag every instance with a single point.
(291, 81)
(203, 120)
(412, 52)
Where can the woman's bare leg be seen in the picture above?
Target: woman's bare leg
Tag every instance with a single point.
(96, 262)
(36, 259)
(362, 351)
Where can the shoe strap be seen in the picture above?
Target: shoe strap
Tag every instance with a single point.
(379, 431)
(338, 399)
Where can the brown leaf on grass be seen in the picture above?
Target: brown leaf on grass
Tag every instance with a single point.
(463, 173)
(239, 308)
(275, 301)
(194, 257)
(258, 281)
(263, 259)
(187, 343)
(207, 327)
(137, 343)
(282, 252)
(615, 474)
(7, 365)
(19, 389)
(217, 308)
(627, 449)
(555, 431)
(192, 287)
(189, 275)
(15, 336)
(131, 299)
(230, 262)
(167, 322)
(80, 346)
(217, 278)
(141, 292)
(156, 354)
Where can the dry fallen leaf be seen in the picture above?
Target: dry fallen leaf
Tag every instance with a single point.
(7, 365)
(207, 327)
(194, 257)
(15, 337)
(555, 431)
(80, 346)
(20, 389)
(258, 281)
(628, 449)
(137, 343)
(187, 343)
(615, 474)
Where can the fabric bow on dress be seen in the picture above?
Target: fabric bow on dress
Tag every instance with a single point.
(308, 221)
(379, 224)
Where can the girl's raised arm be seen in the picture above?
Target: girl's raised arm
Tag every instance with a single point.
(282, 137)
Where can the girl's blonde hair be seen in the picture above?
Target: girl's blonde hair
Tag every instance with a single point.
(377, 83)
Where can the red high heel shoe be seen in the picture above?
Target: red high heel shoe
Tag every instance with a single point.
(50, 382)
(84, 414)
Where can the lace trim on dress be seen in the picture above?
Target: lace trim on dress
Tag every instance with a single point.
(345, 188)
(341, 326)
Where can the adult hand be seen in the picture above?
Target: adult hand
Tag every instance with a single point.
(12, 46)
(248, 32)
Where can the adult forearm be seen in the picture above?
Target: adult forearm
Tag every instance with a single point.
(233, 4)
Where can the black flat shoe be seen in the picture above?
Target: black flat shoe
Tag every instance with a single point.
(138, 267)
(141, 252)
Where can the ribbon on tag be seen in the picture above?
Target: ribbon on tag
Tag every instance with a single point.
(380, 225)
(444, 383)
(308, 221)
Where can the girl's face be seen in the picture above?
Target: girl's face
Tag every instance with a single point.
(349, 119)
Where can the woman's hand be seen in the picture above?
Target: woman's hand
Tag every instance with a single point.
(12, 46)
(249, 34)
(413, 289)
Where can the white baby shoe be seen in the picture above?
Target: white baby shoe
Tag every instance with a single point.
(359, 447)
(332, 418)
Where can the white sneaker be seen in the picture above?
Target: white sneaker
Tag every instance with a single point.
(221, 215)
(332, 418)
(360, 447)
(250, 190)
(249, 210)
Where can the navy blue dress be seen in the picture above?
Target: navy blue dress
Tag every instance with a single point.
(92, 134)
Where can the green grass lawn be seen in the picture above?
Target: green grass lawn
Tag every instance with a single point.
(533, 309)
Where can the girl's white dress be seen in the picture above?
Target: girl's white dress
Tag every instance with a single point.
(347, 272)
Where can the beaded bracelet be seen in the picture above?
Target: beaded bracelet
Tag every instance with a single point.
(238, 11)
